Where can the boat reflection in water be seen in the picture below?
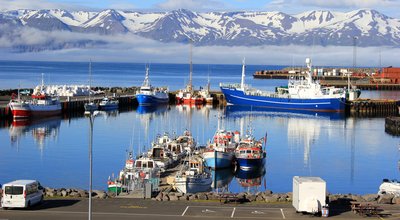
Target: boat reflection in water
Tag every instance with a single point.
(252, 180)
(112, 113)
(40, 129)
(236, 111)
(221, 179)
(156, 109)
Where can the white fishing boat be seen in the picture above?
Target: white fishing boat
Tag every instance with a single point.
(134, 173)
(109, 104)
(221, 151)
(194, 177)
(41, 104)
(187, 141)
(161, 157)
(205, 93)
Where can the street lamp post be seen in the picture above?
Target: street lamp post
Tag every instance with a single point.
(91, 121)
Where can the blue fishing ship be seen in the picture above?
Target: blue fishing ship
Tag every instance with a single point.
(302, 93)
(149, 95)
(250, 153)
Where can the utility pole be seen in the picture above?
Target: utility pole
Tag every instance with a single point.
(354, 53)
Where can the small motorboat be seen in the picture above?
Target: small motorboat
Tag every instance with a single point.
(390, 187)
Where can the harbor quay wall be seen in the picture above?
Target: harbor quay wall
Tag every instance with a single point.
(72, 105)
(370, 107)
(266, 196)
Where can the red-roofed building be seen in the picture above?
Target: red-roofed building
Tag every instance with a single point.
(392, 73)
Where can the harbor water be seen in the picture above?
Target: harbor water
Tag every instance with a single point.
(351, 154)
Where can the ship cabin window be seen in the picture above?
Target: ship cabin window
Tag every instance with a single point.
(194, 165)
(242, 151)
(139, 164)
(145, 90)
(248, 151)
(151, 164)
(144, 165)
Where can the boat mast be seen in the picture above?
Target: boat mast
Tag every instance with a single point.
(19, 95)
(308, 62)
(42, 86)
(190, 67)
(146, 78)
(90, 79)
(243, 73)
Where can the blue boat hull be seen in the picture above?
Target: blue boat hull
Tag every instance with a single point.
(109, 107)
(218, 160)
(151, 99)
(237, 97)
(249, 164)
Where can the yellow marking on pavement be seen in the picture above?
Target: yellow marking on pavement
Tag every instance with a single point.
(132, 207)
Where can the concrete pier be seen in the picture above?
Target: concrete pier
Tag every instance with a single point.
(369, 107)
(361, 107)
(73, 104)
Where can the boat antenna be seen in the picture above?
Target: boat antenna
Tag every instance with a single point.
(243, 73)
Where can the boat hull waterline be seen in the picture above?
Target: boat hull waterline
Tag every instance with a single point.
(193, 184)
(32, 111)
(217, 159)
(249, 164)
(238, 97)
(144, 99)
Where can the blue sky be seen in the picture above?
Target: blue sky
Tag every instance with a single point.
(388, 7)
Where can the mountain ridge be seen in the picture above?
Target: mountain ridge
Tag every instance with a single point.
(317, 27)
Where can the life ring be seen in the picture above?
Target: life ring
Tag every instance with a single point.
(142, 174)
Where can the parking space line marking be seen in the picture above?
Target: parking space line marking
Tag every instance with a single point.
(233, 212)
(94, 213)
(257, 212)
(227, 207)
(187, 207)
(283, 215)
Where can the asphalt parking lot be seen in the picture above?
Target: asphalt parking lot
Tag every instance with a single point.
(61, 209)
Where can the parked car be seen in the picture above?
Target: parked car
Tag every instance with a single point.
(21, 194)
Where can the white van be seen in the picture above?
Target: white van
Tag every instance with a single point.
(21, 194)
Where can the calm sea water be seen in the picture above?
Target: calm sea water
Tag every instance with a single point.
(352, 154)
(27, 74)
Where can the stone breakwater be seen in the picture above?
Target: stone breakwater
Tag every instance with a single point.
(245, 197)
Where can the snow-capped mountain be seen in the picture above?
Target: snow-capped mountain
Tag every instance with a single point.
(220, 28)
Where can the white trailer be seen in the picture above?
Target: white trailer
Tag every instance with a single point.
(309, 194)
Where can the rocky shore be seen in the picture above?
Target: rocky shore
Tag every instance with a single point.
(261, 197)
